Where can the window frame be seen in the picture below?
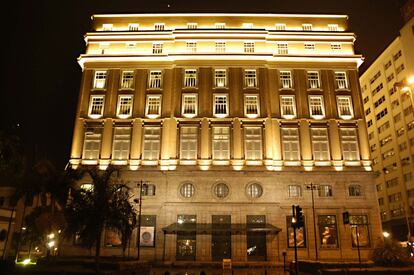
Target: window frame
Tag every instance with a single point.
(123, 141)
(192, 137)
(284, 80)
(186, 78)
(131, 83)
(249, 79)
(227, 152)
(155, 79)
(259, 141)
(217, 78)
(350, 107)
(95, 84)
(119, 106)
(145, 139)
(216, 95)
(246, 106)
(188, 115)
(91, 106)
(147, 107)
(345, 80)
(293, 107)
(310, 80)
(313, 106)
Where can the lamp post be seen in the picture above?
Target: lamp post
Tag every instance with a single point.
(139, 201)
(312, 187)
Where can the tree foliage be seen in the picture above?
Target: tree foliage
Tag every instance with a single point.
(390, 253)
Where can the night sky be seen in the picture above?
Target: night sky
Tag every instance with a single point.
(43, 39)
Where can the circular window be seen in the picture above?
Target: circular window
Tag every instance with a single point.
(187, 190)
(221, 190)
(254, 190)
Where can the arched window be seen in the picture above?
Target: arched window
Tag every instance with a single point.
(221, 190)
(187, 190)
(254, 190)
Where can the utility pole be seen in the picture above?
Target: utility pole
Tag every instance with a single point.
(312, 187)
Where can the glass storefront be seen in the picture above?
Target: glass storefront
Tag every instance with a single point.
(300, 234)
(186, 241)
(221, 237)
(328, 234)
(256, 239)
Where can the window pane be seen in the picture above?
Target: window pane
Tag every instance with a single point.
(188, 142)
(250, 78)
(300, 234)
(92, 143)
(253, 143)
(313, 80)
(121, 143)
(152, 137)
(320, 144)
(328, 234)
(288, 106)
(124, 106)
(349, 142)
(221, 143)
(290, 146)
(251, 105)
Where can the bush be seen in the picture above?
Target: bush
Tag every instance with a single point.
(390, 253)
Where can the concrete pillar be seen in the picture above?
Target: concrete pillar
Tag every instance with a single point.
(106, 147)
(363, 140)
(205, 140)
(136, 142)
(269, 141)
(77, 141)
(166, 126)
(305, 143)
(237, 140)
(335, 141)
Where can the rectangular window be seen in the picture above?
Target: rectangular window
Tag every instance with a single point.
(152, 138)
(133, 27)
(250, 78)
(316, 107)
(294, 191)
(286, 79)
(121, 143)
(313, 80)
(159, 26)
(155, 80)
(127, 80)
(99, 80)
(191, 47)
(153, 106)
(220, 47)
(220, 108)
(345, 110)
(124, 109)
(336, 47)
(300, 234)
(282, 48)
(96, 106)
(192, 26)
(307, 27)
(320, 144)
(251, 106)
(253, 143)
(190, 78)
(290, 146)
(220, 25)
(188, 142)
(381, 114)
(288, 106)
(221, 143)
(189, 105)
(349, 142)
(280, 27)
(220, 78)
(325, 191)
(107, 27)
(309, 46)
(328, 234)
(157, 48)
(249, 47)
(382, 100)
(92, 143)
(341, 82)
(397, 55)
(333, 27)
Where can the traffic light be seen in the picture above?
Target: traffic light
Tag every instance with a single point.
(299, 217)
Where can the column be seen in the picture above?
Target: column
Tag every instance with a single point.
(277, 145)
(172, 143)
(165, 135)
(205, 160)
(77, 143)
(305, 145)
(335, 144)
(363, 144)
(136, 142)
(268, 132)
(237, 161)
(106, 145)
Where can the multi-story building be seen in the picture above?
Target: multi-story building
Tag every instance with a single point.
(388, 108)
(228, 118)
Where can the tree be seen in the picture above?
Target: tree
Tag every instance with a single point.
(106, 204)
(390, 253)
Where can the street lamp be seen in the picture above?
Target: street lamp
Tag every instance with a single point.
(312, 187)
(139, 201)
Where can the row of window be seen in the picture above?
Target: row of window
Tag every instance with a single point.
(220, 79)
(189, 106)
(192, 26)
(221, 143)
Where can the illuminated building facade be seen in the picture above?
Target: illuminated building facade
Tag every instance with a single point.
(227, 117)
(387, 96)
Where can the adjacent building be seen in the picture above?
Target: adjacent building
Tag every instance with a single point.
(387, 92)
(227, 119)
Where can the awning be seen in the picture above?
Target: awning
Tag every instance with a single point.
(208, 228)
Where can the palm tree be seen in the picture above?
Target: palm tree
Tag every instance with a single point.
(106, 204)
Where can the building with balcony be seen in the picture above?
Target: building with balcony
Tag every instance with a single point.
(228, 118)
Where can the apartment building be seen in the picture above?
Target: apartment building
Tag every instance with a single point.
(388, 106)
(228, 118)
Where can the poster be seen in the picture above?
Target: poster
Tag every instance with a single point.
(147, 237)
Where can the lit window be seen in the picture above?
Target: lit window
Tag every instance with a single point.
(155, 79)
(249, 47)
(192, 26)
(188, 142)
(288, 106)
(107, 27)
(341, 81)
(247, 25)
(282, 48)
(121, 143)
(320, 144)
(157, 48)
(133, 27)
(333, 27)
(92, 143)
(294, 191)
(159, 26)
(307, 27)
(124, 109)
(187, 190)
(153, 106)
(313, 80)
(286, 79)
(220, 25)
(250, 79)
(328, 232)
(220, 78)
(254, 190)
(221, 143)
(151, 148)
(290, 144)
(355, 190)
(325, 191)
(148, 189)
(316, 107)
(189, 105)
(345, 107)
(349, 142)
(191, 47)
(190, 78)
(310, 46)
(251, 106)
(221, 190)
(359, 225)
(280, 27)
(127, 80)
(220, 108)
(99, 80)
(336, 46)
(96, 106)
(220, 47)
(253, 143)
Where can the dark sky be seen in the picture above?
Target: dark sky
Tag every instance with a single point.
(43, 39)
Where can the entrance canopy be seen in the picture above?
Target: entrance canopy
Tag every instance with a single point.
(208, 228)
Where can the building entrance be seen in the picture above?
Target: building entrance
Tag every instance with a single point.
(221, 237)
